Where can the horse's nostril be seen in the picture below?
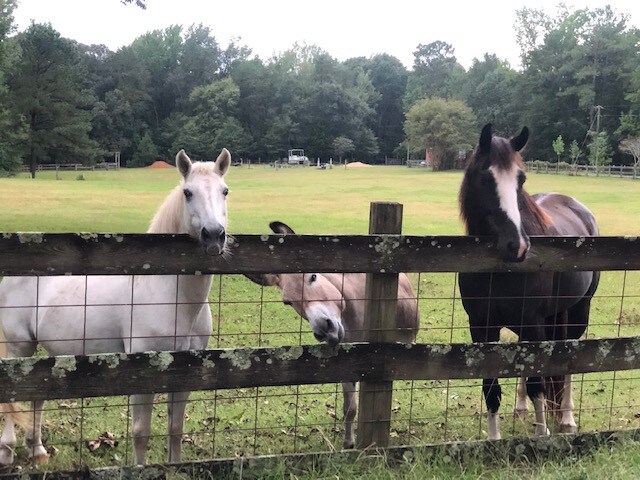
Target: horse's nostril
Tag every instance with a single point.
(218, 235)
(329, 325)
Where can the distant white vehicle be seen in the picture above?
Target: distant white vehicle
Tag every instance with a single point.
(297, 157)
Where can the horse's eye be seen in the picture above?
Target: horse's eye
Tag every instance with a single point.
(225, 192)
(187, 193)
(312, 278)
(286, 302)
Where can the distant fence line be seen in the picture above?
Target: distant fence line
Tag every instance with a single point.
(628, 171)
(72, 167)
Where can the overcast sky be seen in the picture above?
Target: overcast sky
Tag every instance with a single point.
(344, 28)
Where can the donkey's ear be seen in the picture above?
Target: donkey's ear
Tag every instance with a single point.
(283, 228)
(264, 279)
(183, 163)
(484, 145)
(520, 141)
(223, 162)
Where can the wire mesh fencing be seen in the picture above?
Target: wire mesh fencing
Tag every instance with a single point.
(93, 432)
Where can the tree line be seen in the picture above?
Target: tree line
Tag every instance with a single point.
(63, 102)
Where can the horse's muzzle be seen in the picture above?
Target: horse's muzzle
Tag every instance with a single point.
(214, 240)
(514, 251)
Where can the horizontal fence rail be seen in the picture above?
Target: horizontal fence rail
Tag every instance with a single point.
(157, 372)
(145, 254)
(628, 171)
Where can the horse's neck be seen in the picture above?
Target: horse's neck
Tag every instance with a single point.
(169, 217)
(535, 220)
(192, 290)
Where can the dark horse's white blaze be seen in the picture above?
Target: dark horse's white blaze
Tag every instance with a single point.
(535, 306)
(507, 187)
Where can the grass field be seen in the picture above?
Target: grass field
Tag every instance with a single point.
(288, 419)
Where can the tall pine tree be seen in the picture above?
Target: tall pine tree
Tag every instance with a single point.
(12, 129)
(47, 86)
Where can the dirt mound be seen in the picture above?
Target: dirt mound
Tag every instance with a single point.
(160, 164)
(357, 164)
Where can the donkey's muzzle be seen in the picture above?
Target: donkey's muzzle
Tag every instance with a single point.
(332, 335)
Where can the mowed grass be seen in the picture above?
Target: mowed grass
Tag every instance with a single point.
(290, 419)
(312, 201)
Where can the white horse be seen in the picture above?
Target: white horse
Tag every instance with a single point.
(333, 304)
(97, 314)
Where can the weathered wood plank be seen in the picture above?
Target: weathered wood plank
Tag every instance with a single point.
(141, 254)
(120, 374)
(381, 293)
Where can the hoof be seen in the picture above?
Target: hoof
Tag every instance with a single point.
(6, 455)
(348, 445)
(40, 459)
(520, 413)
(568, 428)
(542, 431)
(38, 454)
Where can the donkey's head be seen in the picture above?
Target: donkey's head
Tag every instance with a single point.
(205, 199)
(311, 295)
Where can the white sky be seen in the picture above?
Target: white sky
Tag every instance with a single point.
(344, 28)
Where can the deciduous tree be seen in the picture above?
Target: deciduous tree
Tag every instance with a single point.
(443, 127)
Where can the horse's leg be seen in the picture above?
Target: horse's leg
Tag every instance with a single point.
(578, 319)
(349, 409)
(535, 385)
(554, 387)
(490, 386)
(567, 421)
(7, 442)
(176, 406)
(521, 409)
(33, 439)
(15, 348)
(142, 409)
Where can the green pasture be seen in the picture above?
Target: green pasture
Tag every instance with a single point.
(289, 419)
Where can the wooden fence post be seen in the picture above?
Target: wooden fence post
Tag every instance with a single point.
(381, 293)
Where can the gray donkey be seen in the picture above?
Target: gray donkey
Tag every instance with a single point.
(333, 304)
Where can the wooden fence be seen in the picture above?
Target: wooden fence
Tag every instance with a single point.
(627, 171)
(382, 255)
(76, 167)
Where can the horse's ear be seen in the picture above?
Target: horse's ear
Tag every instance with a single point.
(520, 141)
(484, 144)
(183, 163)
(283, 228)
(223, 162)
(264, 279)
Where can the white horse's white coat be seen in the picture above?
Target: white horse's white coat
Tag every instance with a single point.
(98, 314)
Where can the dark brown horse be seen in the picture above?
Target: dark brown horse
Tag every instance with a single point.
(535, 306)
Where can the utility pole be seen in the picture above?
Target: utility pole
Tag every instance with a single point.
(597, 138)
